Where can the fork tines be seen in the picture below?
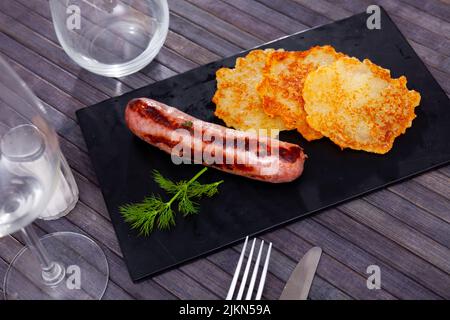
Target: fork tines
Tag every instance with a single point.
(256, 266)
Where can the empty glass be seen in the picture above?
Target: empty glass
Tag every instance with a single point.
(113, 38)
(62, 265)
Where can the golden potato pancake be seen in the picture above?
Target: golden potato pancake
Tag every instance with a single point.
(237, 101)
(358, 105)
(282, 85)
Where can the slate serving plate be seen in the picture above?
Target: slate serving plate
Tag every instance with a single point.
(244, 207)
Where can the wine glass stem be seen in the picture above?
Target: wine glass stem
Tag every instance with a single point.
(52, 272)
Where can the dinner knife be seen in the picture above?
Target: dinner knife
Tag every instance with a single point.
(299, 283)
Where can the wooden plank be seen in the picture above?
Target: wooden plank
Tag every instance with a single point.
(114, 292)
(445, 170)
(325, 8)
(239, 18)
(436, 8)
(140, 79)
(335, 272)
(54, 74)
(421, 18)
(213, 24)
(3, 268)
(398, 231)
(358, 259)
(296, 11)
(387, 251)
(423, 198)
(405, 211)
(189, 49)
(91, 195)
(431, 57)
(9, 247)
(436, 182)
(210, 275)
(174, 60)
(47, 92)
(442, 78)
(409, 27)
(202, 37)
(95, 225)
(264, 13)
(402, 10)
(423, 36)
(183, 286)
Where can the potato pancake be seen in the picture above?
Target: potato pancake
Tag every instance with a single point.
(237, 101)
(282, 85)
(358, 105)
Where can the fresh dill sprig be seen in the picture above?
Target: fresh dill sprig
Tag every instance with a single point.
(154, 212)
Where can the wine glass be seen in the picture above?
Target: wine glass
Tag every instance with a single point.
(61, 265)
(112, 38)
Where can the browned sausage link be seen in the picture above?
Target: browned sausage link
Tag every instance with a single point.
(156, 123)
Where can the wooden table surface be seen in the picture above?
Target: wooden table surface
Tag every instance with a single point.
(404, 229)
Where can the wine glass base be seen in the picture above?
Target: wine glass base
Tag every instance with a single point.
(85, 264)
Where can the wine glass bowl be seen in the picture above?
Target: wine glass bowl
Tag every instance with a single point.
(111, 37)
(35, 179)
(23, 193)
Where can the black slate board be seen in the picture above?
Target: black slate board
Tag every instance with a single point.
(244, 207)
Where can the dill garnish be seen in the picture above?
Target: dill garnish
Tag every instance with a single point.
(153, 211)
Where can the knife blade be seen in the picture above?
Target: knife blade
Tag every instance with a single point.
(299, 283)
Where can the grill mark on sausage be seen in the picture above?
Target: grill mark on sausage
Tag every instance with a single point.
(235, 166)
(160, 140)
(148, 111)
(290, 154)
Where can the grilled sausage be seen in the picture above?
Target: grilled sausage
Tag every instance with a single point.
(190, 140)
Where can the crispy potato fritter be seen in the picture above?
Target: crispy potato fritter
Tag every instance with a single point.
(319, 92)
(282, 85)
(358, 105)
(237, 101)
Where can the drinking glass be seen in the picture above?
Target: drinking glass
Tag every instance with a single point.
(112, 38)
(61, 265)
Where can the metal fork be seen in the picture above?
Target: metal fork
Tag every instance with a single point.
(237, 272)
